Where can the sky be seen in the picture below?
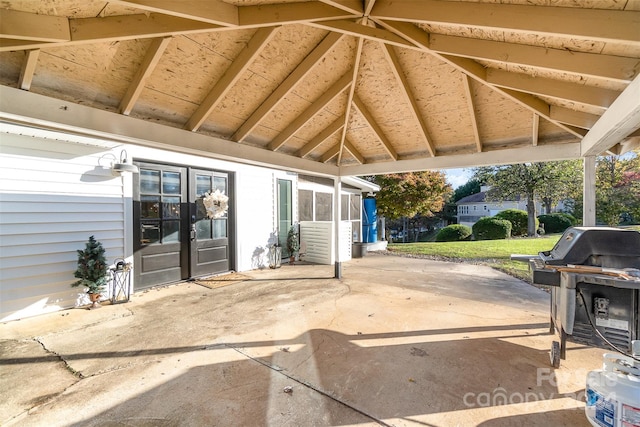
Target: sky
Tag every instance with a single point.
(458, 177)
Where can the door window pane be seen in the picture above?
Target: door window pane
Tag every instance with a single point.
(149, 206)
(203, 184)
(150, 233)
(220, 183)
(171, 207)
(171, 182)
(149, 181)
(219, 228)
(203, 229)
(170, 231)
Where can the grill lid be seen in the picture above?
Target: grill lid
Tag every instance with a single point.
(596, 246)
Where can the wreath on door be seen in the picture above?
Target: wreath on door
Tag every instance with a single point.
(216, 204)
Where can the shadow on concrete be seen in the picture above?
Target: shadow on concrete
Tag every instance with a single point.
(343, 378)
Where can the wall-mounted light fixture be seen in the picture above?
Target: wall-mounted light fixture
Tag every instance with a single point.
(124, 165)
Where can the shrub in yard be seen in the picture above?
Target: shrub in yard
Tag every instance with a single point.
(555, 222)
(518, 219)
(491, 228)
(453, 233)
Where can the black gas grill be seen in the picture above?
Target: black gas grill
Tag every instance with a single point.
(594, 274)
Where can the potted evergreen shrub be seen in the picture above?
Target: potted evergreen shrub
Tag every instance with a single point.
(293, 244)
(92, 270)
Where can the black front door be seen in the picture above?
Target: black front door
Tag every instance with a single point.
(174, 239)
(161, 221)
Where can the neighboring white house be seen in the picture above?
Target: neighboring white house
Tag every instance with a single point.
(58, 189)
(471, 208)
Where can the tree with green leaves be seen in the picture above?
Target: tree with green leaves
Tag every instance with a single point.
(410, 194)
(618, 188)
(549, 182)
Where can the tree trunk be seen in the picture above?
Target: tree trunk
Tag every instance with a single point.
(531, 215)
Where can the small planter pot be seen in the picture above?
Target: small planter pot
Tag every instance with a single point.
(94, 298)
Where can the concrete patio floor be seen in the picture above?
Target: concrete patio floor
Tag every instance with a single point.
(397, 341)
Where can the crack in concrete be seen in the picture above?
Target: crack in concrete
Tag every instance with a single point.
(311, 387)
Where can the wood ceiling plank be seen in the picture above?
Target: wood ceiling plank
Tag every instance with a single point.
(618, 122)
(211, 11)
(326, 133)
(287, 85)
(327, 97)
(598, 65)
(572, 117)
(354, 152)
(583, 94)
(20, 25)
(366, 114)
(358, 30)
(596, 24)
(290, 13)
(28, 69)
(407, 94)
(235, 71)
(145, 70)
(472, 111)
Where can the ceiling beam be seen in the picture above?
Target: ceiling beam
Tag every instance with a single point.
(590, 95)
(476, 71)
(312, 59)
(366, 114)
(352, 91)
(541, 153)
(354, 152)
(290, 13)
(149, 63)
(28, 69)
(31, 109)
(326, 133)
(358, 30)
(327, 97)
(619, 121)
(597, 65)
(406, 92)
(572, 117)
(593, 24)
(230, 77)
(330, 153)
(116, 28)
(535, 131)
(35, 27)
(351, 6)
(468, 90)
(211, 11)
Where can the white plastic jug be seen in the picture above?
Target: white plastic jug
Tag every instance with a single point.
(613, 392)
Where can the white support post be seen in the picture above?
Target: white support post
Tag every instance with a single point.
(337, 189)
(589, 192)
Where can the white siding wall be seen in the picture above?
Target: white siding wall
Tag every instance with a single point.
(54, 194)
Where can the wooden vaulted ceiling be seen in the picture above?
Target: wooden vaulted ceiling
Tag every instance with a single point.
(362, 86)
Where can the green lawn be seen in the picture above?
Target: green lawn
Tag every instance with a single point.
(494, 253)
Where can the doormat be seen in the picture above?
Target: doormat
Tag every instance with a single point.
(222, 280)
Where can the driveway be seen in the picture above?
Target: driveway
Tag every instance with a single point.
(397, 341)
